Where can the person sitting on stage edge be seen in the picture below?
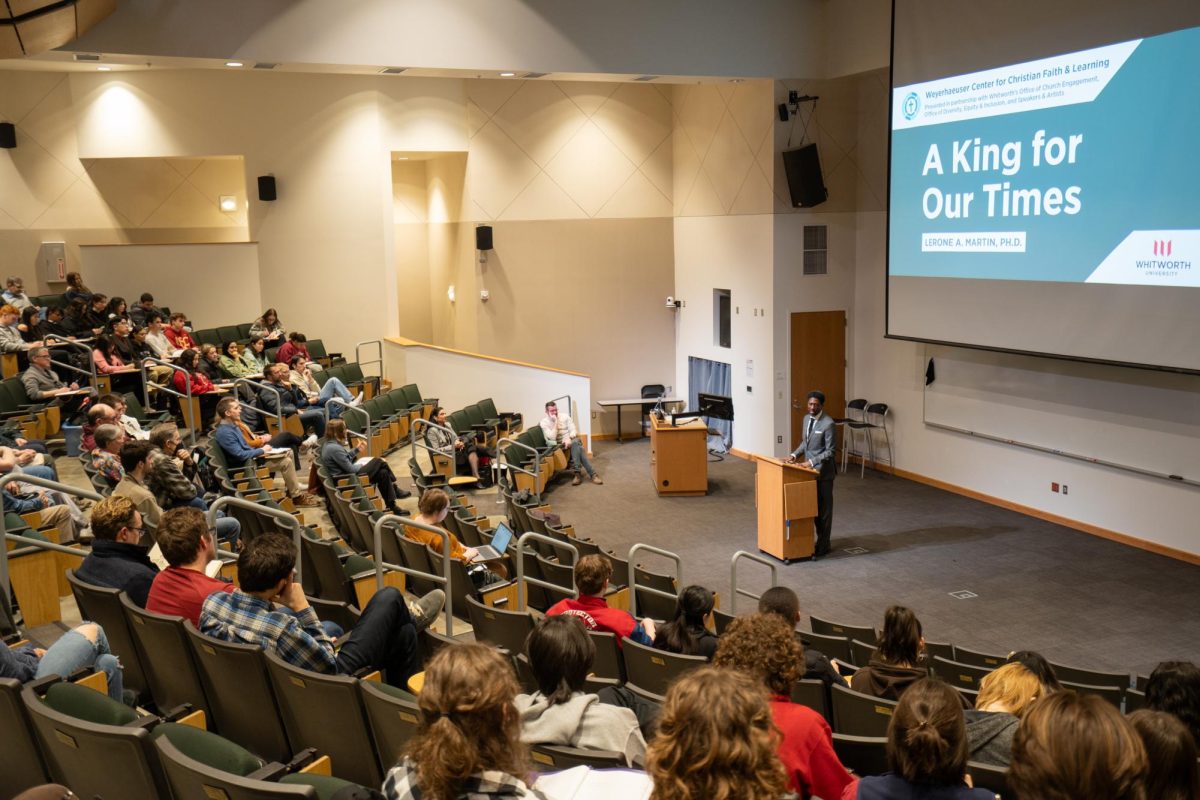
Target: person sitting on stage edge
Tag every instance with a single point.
(592, 573)
(816, 451)
(560, 429)
(783, 601)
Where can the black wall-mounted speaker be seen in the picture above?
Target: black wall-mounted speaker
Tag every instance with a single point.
(483, 237)
(8, 135)
(803, 168)
(266, 187)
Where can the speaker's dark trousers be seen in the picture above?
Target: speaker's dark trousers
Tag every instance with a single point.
(824, 520)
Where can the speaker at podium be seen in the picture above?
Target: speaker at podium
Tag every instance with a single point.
(786, 498)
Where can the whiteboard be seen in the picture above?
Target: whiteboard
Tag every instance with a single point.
(1140, 420)
(213, 283)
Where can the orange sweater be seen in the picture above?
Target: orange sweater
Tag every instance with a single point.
(435, 541)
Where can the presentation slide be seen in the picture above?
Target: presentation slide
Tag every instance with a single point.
(1048, 203)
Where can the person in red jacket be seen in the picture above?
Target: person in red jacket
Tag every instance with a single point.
(201, 386)
(591, 578)
(296, 343)
(177, 335)
(762, 645)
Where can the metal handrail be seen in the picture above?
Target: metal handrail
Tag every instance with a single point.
(502, 459)
(733, 582)
(91, 372)
(187, 385)
(339, 401)
(278, 415)
(379, 347)
(45, 484)
(277, 513)
(633, 586)
(443, 579)
(522, 580)
(426, 447)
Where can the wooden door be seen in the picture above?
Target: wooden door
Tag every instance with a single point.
(818, 355)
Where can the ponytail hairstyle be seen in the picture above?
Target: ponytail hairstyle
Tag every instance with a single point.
(927, 737)
(694, 604)
(561, 655)
(900, 642)
(468, 721)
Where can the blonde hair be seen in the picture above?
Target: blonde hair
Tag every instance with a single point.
(1012, 686)
(716, 741)
(468, 721)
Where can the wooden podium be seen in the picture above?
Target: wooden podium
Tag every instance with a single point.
(679, 457)
(786, 498)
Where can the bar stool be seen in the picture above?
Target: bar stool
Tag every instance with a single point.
(876, 419)
(854, 421)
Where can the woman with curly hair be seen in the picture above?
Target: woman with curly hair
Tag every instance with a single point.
(764, 647)
(716, 741)
(468, 744)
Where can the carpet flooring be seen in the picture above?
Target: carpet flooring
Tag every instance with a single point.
(1078, 599)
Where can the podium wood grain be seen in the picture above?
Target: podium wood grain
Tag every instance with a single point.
(679, 458)
(786, 498)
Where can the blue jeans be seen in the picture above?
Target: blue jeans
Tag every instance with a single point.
(74, 650)
(313, 417)
(334, 388)
(39, 471)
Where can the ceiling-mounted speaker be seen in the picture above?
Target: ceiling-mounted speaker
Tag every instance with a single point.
(266, 188)
(8, 135)
(805, 182)
(483, 237)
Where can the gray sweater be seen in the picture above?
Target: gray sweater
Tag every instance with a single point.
(582, 721)
(990, 736)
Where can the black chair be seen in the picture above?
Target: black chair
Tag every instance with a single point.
(959, 675)
(1134, 700)
(1112, 694)
(507, 629)
(860, 714)
(812, 693)
(21, 764)
(861, 652)
(654, 670)
(833, 646)
(652, 605)
(103, 606)
(393, 716)
(170, 666)
(1091, 677)
(826, 628)
(721, 620)
(555, 758)
(862, 755)
(986, 776)
(964, 656)
(945, 650)
(609, 663)
(655, 390)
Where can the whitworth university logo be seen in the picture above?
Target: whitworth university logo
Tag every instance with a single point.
(1162, 247)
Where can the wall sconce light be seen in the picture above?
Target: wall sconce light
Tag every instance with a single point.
(450, 293)
(228, 203)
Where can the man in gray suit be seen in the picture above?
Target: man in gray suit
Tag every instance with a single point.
(816, 450)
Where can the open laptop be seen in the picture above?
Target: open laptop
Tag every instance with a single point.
(495, 550)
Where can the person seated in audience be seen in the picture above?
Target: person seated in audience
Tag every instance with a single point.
(463, 448)
(156, 337)
(98, 414)
(280, 397)
(895, 664)
(560, 429)
(109, 362)
(267, 327)
(764, 647)
(1072, 746)
(242, 446)
(96, 315)
(106, 457)
(342, 460)
(174, 480)
(467, 743)
(1037, 664)
(1174, 687)
(135, 460)
(688, 633)
(210, 357)
(118, 559)
(233, 366)
(1004, 696)
(296, 342)
(385, 636)
(117, 310)
(432, 509)
(53, 324)
(300, 376)
(198, 382)
(140, 313)
(11, 340)
(73, 321)
(926, 750)
(592, 573)
(31, 319)
(561, 712)
(132, 428)
(76, 290)
(14, 293)
(1171, 754)
(716, 738)
(142, 352)
(177, 333)
(190, 549)
(25, 498)
(31, 456)
(786, 603)
(121, 330)
(79, 648)
(42, 383)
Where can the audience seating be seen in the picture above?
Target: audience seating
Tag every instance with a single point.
(501, 627)
(1091, 677)
(21, 763)
(1112, 694)
(721, 620)
(393, 716)
(609, 662)
(653, 605)
(192, 779)
(165, 655)
(862, 755)
(502, 594)
(946, 651)
(653, 670)
(958, 674)
(555, 758)
(825, 628)
(860, 714)
(1134, 700)
(992, 778)
(811, 692)
(964, 656)
(861, 652)
(103, 606)
(833, 646)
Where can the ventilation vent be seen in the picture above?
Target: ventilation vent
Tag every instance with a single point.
(645, 78)
(531, 75)
(816, 253)
(265, 65)
(392, 70)
(86, 57)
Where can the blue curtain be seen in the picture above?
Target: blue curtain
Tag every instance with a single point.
(711, 377)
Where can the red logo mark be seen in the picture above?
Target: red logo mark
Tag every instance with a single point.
(1162, 247)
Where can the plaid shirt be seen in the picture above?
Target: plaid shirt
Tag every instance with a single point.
(298, 639)
(401, 784)
(108, 465)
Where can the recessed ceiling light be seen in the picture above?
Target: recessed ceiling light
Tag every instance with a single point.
(402, 158)
(507, 74)
(104, 69)
(233, 64)
(228, 203)
(735, 80)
